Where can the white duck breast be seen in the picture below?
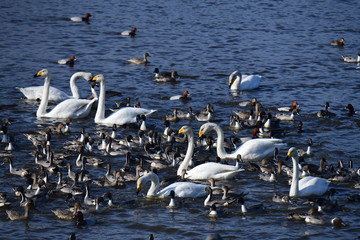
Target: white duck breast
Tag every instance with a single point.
(120, 117)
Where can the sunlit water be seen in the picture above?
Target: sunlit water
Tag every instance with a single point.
(287, 42)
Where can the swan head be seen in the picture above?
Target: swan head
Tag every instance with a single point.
(87, 76)
(184, 129)
(205, 128)
(98, 78)
(291, 152)
(232, 77)
(42, 73)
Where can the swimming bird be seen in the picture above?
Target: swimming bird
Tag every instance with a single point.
(209, 201)
(290, 108)
(139, 60)
(325, 112)
(130, 33)
(206, 170)
(351, 110)
(181, 189)
(66, 214)
(251, 150)
(165, 78)
(16, 171)
(13, 215)
(243, 82)
(68, 61)
(352, 59)
(287, 117)
(183, 96)
(56, 95)
(307, 186)
(69, 108)
(340, 42)
(86, 18)
(122, 116)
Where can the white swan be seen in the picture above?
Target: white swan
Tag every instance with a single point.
(307, 186)
(252, 150)
(122, 116)
(56, 95)
(70, 108)
(243, 82)
(181, 189)
(206, 170)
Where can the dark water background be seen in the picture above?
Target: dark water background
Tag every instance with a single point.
(287, 42)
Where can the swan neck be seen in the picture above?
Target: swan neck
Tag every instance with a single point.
(220, 143)
(189, 153)
(294, 188)
(236, 83)
(100, 112)
(44, 98)
(154, 188)
(74, 89)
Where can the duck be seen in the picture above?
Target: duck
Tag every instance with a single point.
(352, 59)
(139, 60)
(325, 113)
(172, 203)
(66, 214)
(69, 108)
(307, 152)
(307, 186)
(16, 171)
(181, 189)
(248, 103)
(4, 201)
(55, 94)
(340, 42)
(251, 150)
(130, 33)
(68, 61)
(86, 18)
(125, 115)
(290, 108)
(13, 215)
(217, 202)
(185, 115)
(350, 108)
(165, 78)
(287, 117)
(258, 208)
(159, 74)
(206, 170)
(183, 96)
(243, 82)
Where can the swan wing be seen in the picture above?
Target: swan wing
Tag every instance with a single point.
(309, 186)
(127, 115)
(258, 149)
(210, 169)
(35, 92)
(71, 108)
(249, 82)
(184, 189)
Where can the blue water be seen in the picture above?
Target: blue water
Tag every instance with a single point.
(286, 42)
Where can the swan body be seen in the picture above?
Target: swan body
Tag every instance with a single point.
(122, 116)
(307, 186)
(206, 170)
(56, 95)
(181, 189)
(251, 150)
(243, 82)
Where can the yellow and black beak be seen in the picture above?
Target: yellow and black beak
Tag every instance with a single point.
(288, 155)
(201, 133)
(38, 74)
(138, 189)
(181, 130)
(94, 78)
